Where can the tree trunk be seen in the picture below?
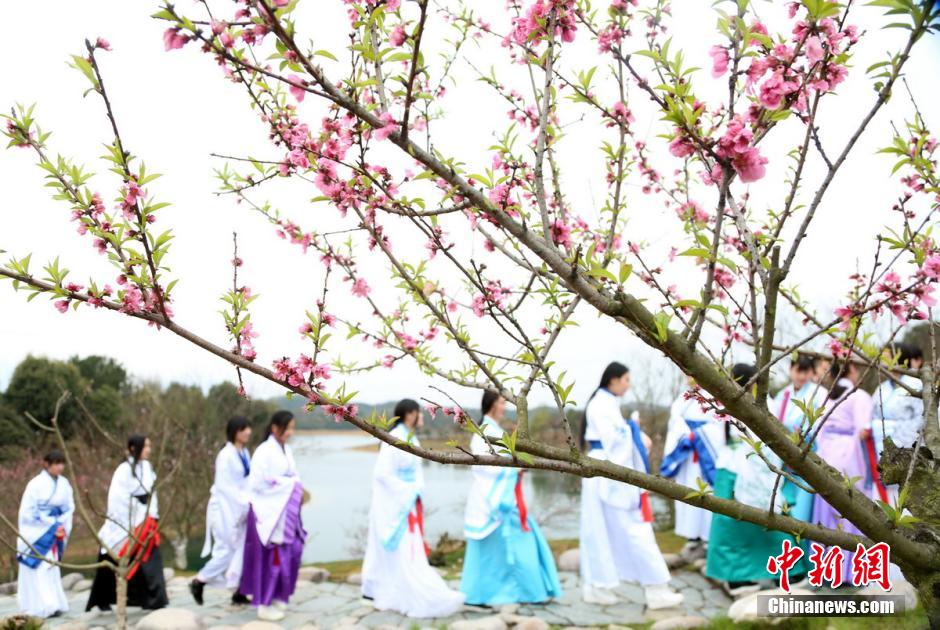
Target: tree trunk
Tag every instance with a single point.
(180, 542)
(121, 598)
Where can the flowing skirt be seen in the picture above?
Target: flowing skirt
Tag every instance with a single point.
(737, 550)
(269, 572)
(39, 591)
(691, 522)
(401, 579)
(146, 588)
(220, 569)
(510, 566)
(617, 544)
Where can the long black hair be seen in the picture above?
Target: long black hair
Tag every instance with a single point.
(234, 426)
(742, 373)
(614, 370)
(838, 369)
(55, 456)
(281, 419)
(490, 396)
(135, 447)
(403, 408)
(908, 353)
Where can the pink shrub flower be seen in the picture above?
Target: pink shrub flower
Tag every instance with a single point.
(814, 49)
(296, 87)
(172, 39)
(720, 60)
(62, 306)
(389, 127)
(397, 36)
(361, 288)
(103, 44)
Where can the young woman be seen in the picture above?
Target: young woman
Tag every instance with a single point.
(839, 442)
(617, 540)
(227, 513)
(737, 550)
(694, 440)
(801, 390)
(507, 560)
(131, 530)
(45, 523)
(274, 536)
(395, 572)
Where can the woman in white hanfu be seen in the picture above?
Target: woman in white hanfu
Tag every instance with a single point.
(617, 540)
(395, 572)
(226, 514)
(274, 531)
(694, 441)
(132, 530)
(45, 523)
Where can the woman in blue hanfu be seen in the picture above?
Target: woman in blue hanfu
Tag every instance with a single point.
(507, 560)
(395, 572)
(617, 539)
(45, 523)
(694, 440)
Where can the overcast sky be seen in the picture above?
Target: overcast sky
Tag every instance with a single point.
(175, 109)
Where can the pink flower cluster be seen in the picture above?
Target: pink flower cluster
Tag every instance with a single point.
(532, 28)
(495, 294)
(173, 39)
(303, 371)
(735, 146)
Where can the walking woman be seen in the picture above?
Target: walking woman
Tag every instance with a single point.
(274, 537)
(844, 425)
(507, 560)
(131, 531)
(226, 514)
(738, 550)
(395, 572)
(617, 540)
(45, 523)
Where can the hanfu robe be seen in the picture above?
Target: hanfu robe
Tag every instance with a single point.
(617, 539)
(131, 530)
(508, 560)
(274, 536)
(47, 505)
(738, 550)
(897, 415)
(786, 410)
(694, 439)
(839, 444)
(395, 572)
(226, 517)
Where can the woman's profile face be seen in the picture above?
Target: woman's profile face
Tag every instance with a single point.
(620, 385)
(243, 437)
(283, 435)
(498, 410)
(145, 451)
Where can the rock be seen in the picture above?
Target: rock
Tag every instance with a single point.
(261, 625)
(224, 627)
(171, 619)
(308, 626)
(354, 578)
(72, 625)
(745, 609)
(71, 579)
(673, 560)
(678, 623)
(699, 564)
(570, 560)
(531, 623)
(313, 574)
(168, 574)
(8, 589)
(81, 586)
(509, 609)
(482, 623)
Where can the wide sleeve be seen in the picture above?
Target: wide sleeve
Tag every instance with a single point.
(862, 409)
(68, 507)
(30, 516)
(614, 433)
(119, 498)
(230, 480)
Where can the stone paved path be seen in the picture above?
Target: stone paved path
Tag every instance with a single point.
(338, 605)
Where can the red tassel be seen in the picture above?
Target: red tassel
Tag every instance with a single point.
(645, 508)
(694, 452)
(277, 558)
(873, 465)
(520, 503)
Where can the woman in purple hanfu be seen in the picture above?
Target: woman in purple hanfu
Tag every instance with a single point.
(845, 422)
(274, 540)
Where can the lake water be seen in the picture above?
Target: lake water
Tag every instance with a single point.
(339, 479)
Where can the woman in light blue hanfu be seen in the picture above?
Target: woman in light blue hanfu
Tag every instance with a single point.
(507, 561)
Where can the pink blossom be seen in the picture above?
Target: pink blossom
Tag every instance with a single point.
(389, 127)
(296, 88)
(931, 267)
(280, 4)
(681, 146)
(720, 60)
(102, 43)
(62, 306)
(814, 49)
(792, 8)
(774, 89)
(397, 36)
(388, 361)
(361, 288)
(750, 165)
(172, 39)
(561, 233)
